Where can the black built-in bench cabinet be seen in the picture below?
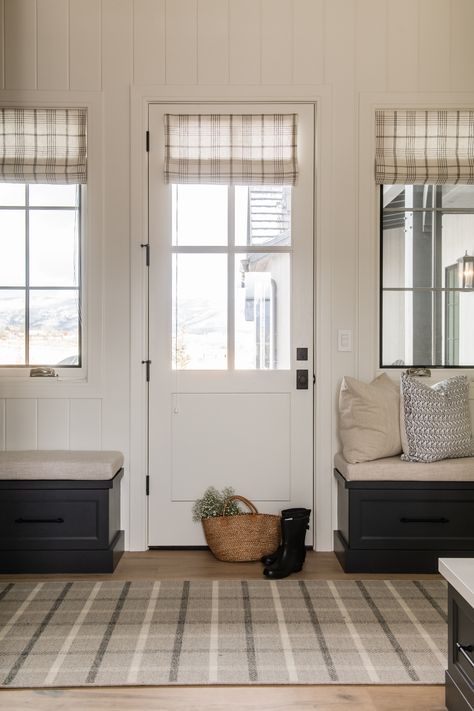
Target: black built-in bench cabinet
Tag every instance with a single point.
(60, 525)
(393, 526)
(460, 673)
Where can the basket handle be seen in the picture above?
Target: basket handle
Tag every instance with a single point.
(252, 507)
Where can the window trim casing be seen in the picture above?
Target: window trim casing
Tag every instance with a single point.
(381, 290)
(84, 381)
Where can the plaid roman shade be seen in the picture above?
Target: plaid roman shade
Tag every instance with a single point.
(246, 149)
(43, 145)
(415, 147)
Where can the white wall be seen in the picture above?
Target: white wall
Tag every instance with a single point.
(216, 47)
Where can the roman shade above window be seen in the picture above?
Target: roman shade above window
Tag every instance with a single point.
(43, 145)
(416, 146)
(245, 149)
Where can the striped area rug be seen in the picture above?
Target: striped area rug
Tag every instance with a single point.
(222, 632)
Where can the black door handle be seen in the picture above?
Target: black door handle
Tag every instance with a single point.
(39, 520)
(441, 519)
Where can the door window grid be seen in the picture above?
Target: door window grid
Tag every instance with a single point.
(231, 250)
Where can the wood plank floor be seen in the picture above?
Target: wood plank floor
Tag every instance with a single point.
(195, 565)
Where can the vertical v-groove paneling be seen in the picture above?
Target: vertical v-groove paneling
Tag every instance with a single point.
(213, 41)
(462, 45)
(434, 40)
(308, 41)
(2, 424)
(53, 423)
(21, 431)
(85, 72)
(149, 42)
(277, 41)
(181, 42)
(402, 46)
(2, 44)
(244, 42)
(371, 46)
(20, 44)
(53, 44)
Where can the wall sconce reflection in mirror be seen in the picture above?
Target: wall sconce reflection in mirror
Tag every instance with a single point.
(466, 271)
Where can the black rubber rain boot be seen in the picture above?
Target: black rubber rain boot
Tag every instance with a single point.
(293, 550)
(272, 558)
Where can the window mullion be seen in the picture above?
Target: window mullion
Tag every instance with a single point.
(230, 278)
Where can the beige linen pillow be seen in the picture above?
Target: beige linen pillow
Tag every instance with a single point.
(369, 419)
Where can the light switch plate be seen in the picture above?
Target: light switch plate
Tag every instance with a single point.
(344, 340)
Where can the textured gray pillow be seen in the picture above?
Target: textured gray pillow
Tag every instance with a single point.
(436, 420)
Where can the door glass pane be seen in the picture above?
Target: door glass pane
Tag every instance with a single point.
(408, 196)
(53, 195)
(199, 215)
(262, 311)
(12, 248)
(12, 327)
(458, 196)
(263, 215)
(12, 194)
(199, 336)
(54, 248)
(54, 327)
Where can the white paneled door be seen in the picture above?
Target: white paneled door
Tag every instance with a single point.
(230, 329)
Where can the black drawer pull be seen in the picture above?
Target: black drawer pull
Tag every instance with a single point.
(441, 519)
(39, 520)
(463, 648)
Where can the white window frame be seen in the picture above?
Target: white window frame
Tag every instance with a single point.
(367, 345)
(16, 382)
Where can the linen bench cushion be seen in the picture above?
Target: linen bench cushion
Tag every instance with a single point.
(60, 464)
(394, 469)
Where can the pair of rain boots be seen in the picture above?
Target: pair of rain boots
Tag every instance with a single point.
(290, 555)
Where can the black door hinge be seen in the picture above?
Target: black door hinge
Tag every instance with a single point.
(147, 485)
(146, 247)
(147, 363)
(147, 141)
(314, 379)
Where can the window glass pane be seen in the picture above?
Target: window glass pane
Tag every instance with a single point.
(12, 327)
(199, 336)
(12, 248)
(458, 238)
(199, 215)
(262, 311)
(416, 254)
(263, 215)
(408, 249)
(54, 248)
(53, 195)
(458, 196)
(428, 328)
(54, 327)
(12, 194)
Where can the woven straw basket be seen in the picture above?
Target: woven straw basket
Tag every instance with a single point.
(243, 537)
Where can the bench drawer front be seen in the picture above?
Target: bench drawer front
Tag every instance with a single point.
(412, 519)
(53, 519)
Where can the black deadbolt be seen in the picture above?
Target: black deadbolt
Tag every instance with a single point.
(301, 379)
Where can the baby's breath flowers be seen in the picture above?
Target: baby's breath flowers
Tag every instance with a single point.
(212, 504)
